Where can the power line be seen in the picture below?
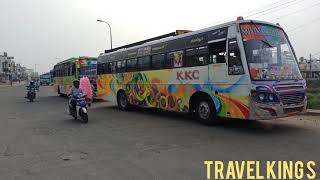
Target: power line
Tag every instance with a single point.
(280, 5)
(295, 12)
(260, 8)
(278, 9)
(303, 25)
(316, 53)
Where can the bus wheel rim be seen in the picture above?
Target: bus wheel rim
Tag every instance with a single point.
(204, 110)
(123, 101)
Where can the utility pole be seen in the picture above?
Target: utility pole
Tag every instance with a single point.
(310, 76)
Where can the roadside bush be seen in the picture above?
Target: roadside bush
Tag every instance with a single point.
(313, 100)
(313, 87)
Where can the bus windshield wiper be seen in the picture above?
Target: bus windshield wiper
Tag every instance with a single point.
(267, 43)
(264, 41)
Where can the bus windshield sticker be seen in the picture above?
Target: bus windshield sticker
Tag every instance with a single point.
(270, 34)
(178, 57)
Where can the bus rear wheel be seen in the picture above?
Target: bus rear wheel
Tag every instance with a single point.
(59, 93)
(205, 111)
(122, 101)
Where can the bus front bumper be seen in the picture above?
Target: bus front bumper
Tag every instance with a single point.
(262, 111)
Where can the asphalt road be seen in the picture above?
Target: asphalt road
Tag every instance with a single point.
(41, 141)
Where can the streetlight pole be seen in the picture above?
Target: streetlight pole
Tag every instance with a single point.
(35, 68)
(310, 76)
(109, 30)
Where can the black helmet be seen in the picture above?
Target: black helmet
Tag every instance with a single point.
(76, 83)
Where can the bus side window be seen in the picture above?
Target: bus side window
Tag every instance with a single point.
(112, 67)
(104, 68)
(73, 71)
(121, 66)
(99, 68)
(217, 52)
(197, 56)
(169, 60)
(234, 59)
(131, 65)
(66, 69)
(144, 63)
(158, 61)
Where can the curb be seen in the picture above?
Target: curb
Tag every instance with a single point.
(313, 112)
(13, 85)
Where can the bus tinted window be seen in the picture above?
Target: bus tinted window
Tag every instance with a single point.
(105, 68)
(217, 52)
(197, 56)
(144, 63)
(158, 61)
(121, 66)
(234, 60)
(112, 67)
(73, 71)
(131, 65)
(65, 70)
(168, 61)
(100, 69)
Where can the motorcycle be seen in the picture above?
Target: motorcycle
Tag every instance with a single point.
(81, 109)
(31, 94)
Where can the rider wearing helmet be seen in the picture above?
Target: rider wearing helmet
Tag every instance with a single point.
(74, 91)
(30, 86)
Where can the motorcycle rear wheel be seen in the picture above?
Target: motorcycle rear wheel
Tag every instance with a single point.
(84, 117)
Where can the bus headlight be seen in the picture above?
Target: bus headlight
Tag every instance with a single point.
(271, 97)
(264, 96)
(261, 96)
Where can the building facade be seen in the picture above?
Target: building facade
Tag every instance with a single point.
(9, 69)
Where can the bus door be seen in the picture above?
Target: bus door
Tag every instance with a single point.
(236, 87)
(217, 61)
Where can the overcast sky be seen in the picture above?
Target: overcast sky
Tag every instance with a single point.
(44, 32)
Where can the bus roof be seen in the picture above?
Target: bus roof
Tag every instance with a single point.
(127, 48)
(48, 73)
(75, 59)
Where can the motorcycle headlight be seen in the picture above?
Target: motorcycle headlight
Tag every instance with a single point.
(261, 96)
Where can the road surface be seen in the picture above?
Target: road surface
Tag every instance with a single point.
(41, 141)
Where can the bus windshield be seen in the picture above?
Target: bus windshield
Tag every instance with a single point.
(88, 70)
(88, 67)
(268, 52)
(45, 76)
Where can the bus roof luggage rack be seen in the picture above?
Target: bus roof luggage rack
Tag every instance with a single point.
(176, 33)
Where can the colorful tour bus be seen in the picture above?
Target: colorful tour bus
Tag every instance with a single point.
(243, 69)
(67, 71)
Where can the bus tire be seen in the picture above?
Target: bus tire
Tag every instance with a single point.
(205, 111)
(59, 93)
(122, 100)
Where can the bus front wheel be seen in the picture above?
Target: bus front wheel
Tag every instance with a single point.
(122, 101)
(205, 111)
